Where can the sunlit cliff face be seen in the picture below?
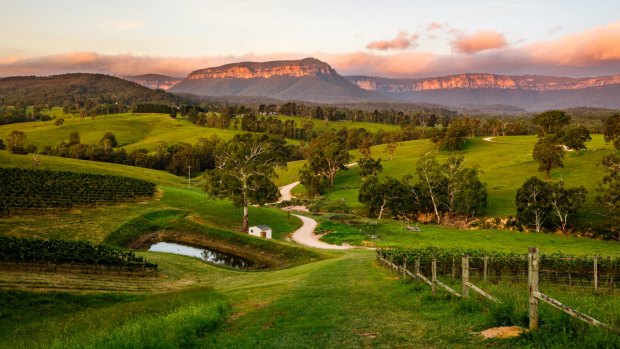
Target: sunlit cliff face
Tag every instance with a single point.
(480, 81)
(258, 71)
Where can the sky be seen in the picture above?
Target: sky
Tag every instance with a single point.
(391, 38)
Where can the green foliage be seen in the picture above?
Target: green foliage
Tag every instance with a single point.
(532, 202)
(244, 168)
(325, 156)
(565, 202)
(455, 137)
(16, 142)
(609, 193)
(551, 122)
(68, 252)
(369, 166)
(611, 130)
(549, 154)
(35, 189)
(81, 88)
(574, 137)
(379, 195)
(470, 194)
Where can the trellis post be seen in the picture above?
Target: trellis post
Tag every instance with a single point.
(532, 273)
(484, 271)
(465, 276)
(434, 275)
(595, 273)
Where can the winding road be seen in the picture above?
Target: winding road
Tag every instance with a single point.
(305, 234)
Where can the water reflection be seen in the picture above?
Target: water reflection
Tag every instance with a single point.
(206, 254)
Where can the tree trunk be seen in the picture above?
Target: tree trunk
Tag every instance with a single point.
(245, 226)
(382, 209)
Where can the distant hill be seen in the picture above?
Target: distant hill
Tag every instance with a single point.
(58, 89)
(153, 81)
(488, 91)
(307, 80)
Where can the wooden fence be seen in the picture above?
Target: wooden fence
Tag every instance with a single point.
(467, 285)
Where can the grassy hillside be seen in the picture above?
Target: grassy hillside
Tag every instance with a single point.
(339, 302)
(94, 224)
(133, 131)
(505, 166)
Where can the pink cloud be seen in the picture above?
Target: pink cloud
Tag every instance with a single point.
(589, 53)
(479, 41)
(597, 45)
(435, 26)
(402, 41)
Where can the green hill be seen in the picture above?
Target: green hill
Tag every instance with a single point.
(55, 90)
(505, 165)
(133, 131)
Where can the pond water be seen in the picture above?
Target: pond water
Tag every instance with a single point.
(215, 257)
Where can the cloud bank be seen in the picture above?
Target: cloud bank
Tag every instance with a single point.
(592, 52)
(479, 41)
(402, 41)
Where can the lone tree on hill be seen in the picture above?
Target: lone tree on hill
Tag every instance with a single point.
(549, 154)
(244, 168)
(391, 145)
(16, 142)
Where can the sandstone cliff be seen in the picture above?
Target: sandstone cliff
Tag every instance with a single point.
(529, 92)
(301, 80)
(482, 81)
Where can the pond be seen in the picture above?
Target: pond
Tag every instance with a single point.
(212, 256)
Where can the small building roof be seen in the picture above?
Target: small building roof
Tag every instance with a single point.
(263, 227)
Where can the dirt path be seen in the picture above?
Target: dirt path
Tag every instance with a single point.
(490, 139)
(305, 235)
(285, 192)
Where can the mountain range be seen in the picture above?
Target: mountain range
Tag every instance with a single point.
(314, 81)
(529, 92)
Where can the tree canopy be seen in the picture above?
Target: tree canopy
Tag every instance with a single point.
(245, 166)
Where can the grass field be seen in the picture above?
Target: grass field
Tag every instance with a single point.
(394, 234)
(133, 131)
(504, 167)
(342, 300)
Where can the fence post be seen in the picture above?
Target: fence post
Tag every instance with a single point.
(465, 276)
(434, 275)
(484, 271)
(453, 267)
(595, 273)
(404, 268)
(417, 266)
(532, 278)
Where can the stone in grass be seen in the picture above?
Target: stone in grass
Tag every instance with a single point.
(502, 332)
